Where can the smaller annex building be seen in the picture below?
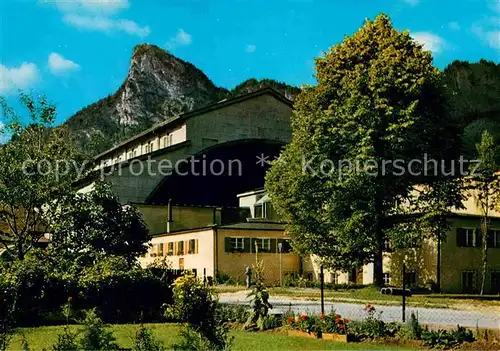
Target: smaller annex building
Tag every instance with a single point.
(222, 247)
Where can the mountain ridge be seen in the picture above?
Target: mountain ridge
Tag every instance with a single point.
(158, 86)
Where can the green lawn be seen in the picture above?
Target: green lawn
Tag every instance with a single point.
(372, 295)
(44, 337)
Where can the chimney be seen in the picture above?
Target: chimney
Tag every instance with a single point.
(169, 215)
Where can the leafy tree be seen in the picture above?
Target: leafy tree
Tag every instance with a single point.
(93, 225)
(486, 186)
(338, 185)
(37, 167)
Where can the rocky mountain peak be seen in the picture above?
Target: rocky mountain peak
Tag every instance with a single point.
(158, 85)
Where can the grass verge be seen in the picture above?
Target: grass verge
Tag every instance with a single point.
(43, 338)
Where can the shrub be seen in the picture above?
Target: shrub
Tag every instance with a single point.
(95, 336)
(333, 323)
(197, 305)
(145, 340)
(192, 341)
(442, 339)
(372, 327)
(67, 341)
(121, 293)
(259, 302)
(233, 313)
(223, 278)
(411, 331)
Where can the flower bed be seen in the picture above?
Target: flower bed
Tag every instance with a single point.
(328, 327)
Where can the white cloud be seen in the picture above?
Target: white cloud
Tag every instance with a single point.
(59, 65)
(22, 77)
(493, 39)
(181, 39)
(106, 24)
(431, 42)
(251, 48)
(487, 31)
(97, 15)
(94, 6)
(454, 25)
(412, 2)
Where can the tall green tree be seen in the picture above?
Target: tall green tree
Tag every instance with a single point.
(33, 177)
(88, 227)
(485, 183)
(345, 183)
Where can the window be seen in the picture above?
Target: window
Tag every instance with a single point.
(129, 155)
(264, 210)
(134, 153)
(469, 282)
(258, 211)
(180, 248)
(264, 244)
(411, 278)
(151, 146)
(468, 237)
(160, 250)
(238, 244)
(335, 278)
(167, 140)
(181, 263)
(494, 238)
(170, 249)
(192, 246)
(387, 278)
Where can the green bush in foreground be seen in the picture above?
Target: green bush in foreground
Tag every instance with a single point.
(197, 305)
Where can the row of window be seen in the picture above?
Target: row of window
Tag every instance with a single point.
(470, 282)
(165, 141)
(471, 237)
(252, 245)
(174, 248)
(265, 210)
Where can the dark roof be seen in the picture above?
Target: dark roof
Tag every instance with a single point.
(200, 111)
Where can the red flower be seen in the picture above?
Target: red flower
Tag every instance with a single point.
(289, 320)
(304, 317)
(342, 326)
(338, 316)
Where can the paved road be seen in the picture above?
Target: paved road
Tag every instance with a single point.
(435, 316)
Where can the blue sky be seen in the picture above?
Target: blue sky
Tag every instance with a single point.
(76, 52)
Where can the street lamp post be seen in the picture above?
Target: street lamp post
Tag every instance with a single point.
(280, 250)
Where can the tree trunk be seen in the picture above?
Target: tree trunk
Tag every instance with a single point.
(20, 251)
(484, 230)
(378, 268)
